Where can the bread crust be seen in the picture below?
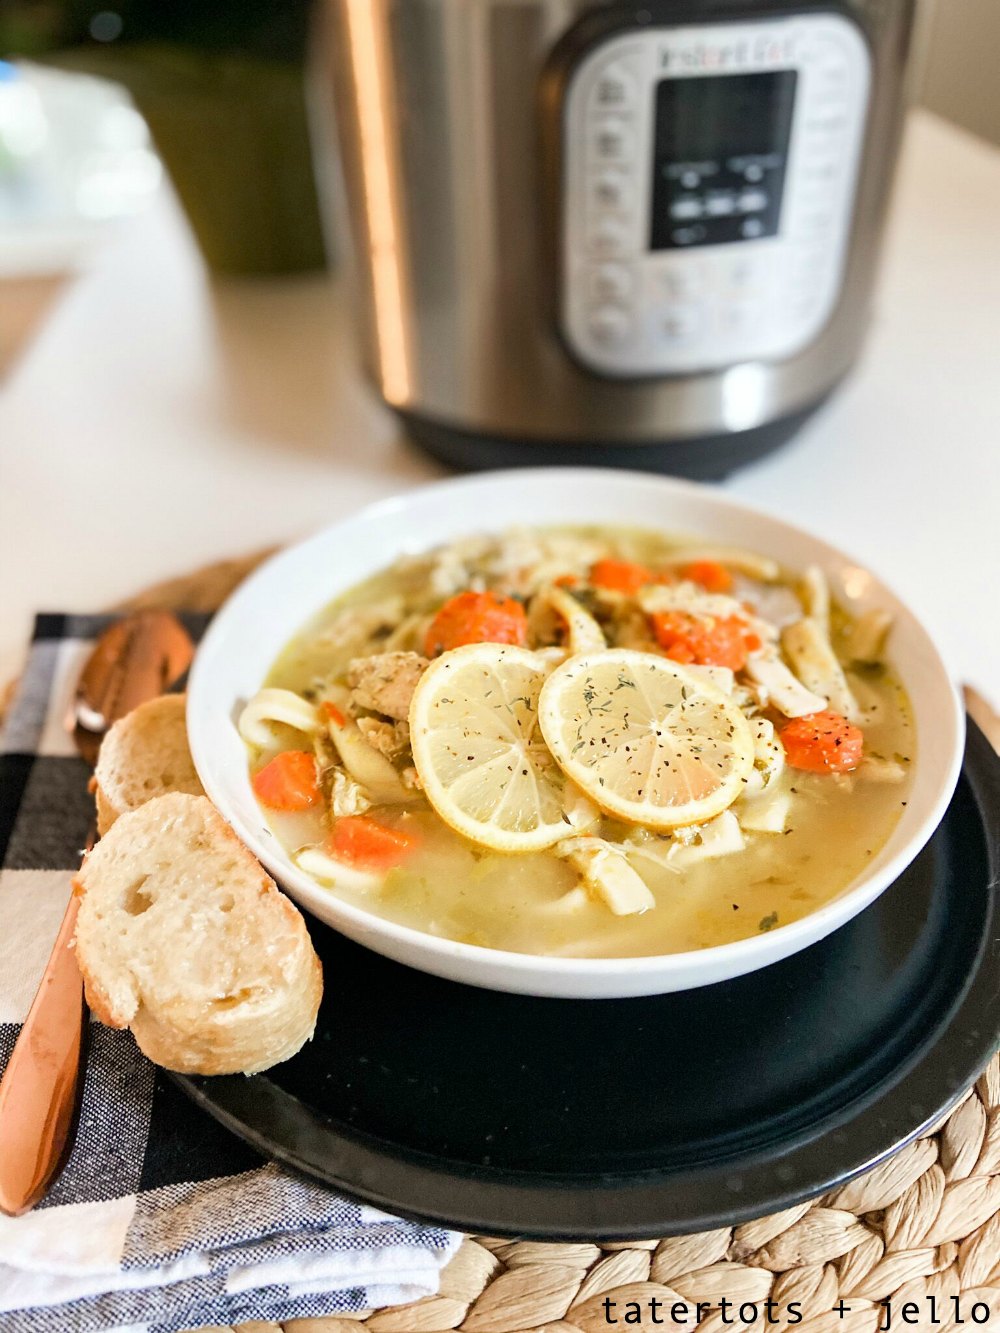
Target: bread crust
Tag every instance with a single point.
(145, 754)
(106, 812)
(183, 938)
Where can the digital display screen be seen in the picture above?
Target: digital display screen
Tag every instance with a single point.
(719, 157)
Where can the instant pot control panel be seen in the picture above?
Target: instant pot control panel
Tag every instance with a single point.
(708, 182)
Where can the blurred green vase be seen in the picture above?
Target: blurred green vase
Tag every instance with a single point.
(232, 133)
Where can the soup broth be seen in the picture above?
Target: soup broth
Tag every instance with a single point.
(819, 830)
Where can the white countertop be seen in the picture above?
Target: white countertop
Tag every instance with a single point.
(159, 422)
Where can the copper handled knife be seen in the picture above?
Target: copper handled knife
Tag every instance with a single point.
(136, 658)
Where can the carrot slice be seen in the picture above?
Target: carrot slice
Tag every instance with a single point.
(713, 576)
(333, 713)
(288, 782)
(364, 842)
(823, 743)
(476, 617)
(620, 576)
(704, 640)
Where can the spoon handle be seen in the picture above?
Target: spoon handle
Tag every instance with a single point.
(39, 1092)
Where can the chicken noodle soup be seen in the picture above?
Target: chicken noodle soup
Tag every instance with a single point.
(586, 742)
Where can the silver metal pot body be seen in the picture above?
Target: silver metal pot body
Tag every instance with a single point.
(466, 143)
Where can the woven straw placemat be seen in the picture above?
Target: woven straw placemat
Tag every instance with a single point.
(925, 1224)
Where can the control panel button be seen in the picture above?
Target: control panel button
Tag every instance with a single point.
(683, 281)
(746, 273)
(613, 141)
(609, 326)
(720, 204)
(608, 239)
(738, 318)
(681, 324)
(614, 90)
(692, 235)
(684, 209)
(752, 201)
(610, 282)
(612, 189)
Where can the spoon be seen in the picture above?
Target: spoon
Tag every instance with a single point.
(135, 659)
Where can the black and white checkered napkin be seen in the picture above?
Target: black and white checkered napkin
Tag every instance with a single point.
(161, 1220)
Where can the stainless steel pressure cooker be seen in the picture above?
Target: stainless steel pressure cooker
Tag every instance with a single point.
(604, 232)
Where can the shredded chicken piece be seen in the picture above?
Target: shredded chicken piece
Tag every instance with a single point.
(686, 596)
(390, 738)
(632, 629)
(366, 765)
(347, 797)
(450, 568)
(385, 682)
(749, 699)
(604, 869)
(516, 564)
(525, 561)
(773, 602)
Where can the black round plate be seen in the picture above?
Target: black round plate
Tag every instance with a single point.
(618, 1119)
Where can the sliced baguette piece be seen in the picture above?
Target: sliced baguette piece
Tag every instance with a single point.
(144, 754)
(185, 939)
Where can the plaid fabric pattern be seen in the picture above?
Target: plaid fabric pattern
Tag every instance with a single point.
(162, 1220)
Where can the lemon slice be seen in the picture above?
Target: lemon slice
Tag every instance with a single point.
(478, 752)
(647, 740)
